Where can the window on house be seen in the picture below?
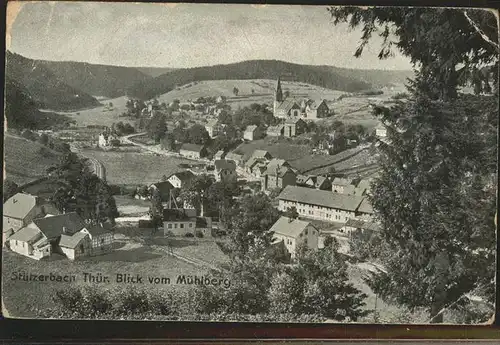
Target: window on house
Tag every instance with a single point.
(175, 226)
(182, 226)
(307, 231)
(170, 226)
(190, 225)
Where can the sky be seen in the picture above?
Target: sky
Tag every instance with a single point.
(189, 35)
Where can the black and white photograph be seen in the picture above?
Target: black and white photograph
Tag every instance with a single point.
(250, 163)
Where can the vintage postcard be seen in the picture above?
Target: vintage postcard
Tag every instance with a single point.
(269, 163)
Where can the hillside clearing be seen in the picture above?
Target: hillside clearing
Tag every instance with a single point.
(134, 168)
(26, 160)
(263, 91)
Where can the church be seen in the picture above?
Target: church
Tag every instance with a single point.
(307, 109)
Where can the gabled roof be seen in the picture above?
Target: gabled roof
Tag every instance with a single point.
(19, 205)
(339, 181)
(287, 105)
(250, 128)
(360, 224)
(192, 147)
(25, 234)
(365, 207)
(221, 164)
(184, 175)
(277, 167)
(71, 241)
(302, 179)
(53, 226)
(261, 154)
(163, 187)
(289, 227)
(275, 129)
(321, 198)
(293, 120)
(234, 156)
(320, 180)
(176, 215)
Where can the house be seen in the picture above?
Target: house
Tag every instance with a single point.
(225, 170)
(324, 205)
(181, 222)
(294, 126)
(214, 128)
(257, 162)
(192, 151)
(20, 210)
(41, 237)
(30, 242)
(163, 188)
(381, 131)
(323, 183)
(311, 109)
(305, 181)
(339, 185)
(107, 139)
(294, 232)
(220, 155)
(75, 245)
(275, 131)
(101, 239)
(253, 132)
(236, 157)
(261, 154)
(181, 178)
(278, 174)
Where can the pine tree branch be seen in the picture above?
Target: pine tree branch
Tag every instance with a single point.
(481, 32)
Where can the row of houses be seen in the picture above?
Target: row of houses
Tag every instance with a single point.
(35, 229)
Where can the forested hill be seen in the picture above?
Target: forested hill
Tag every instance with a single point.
(254, 69)
(377, 78)
(45, 88)
(97, 80)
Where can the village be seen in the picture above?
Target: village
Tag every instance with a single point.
(323, 205)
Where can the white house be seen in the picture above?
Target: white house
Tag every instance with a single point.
(192, 151)
(184, 222)
(181, 178)
(381, 131)
(294, 232)
(75, 245)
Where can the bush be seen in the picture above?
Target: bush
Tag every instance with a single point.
(189, 235)
(27, 134)
(199, 233)
(169, 233)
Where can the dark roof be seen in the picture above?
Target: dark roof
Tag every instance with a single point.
(53, 226)
(225, 164)
(163, 187)
(321, 198)
(175, 214)
(192, 147)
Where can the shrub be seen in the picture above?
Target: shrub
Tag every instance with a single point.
(189, 235)
(169, 233)
(199, 233)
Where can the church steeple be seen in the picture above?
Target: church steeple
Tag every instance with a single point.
(279, 92)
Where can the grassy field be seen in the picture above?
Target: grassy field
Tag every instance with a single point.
(25, 160)
(263, 91)
(128, 206)
(98, 115)
(22, 298)
(134, 168)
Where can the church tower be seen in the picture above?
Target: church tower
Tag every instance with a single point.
(278, 96)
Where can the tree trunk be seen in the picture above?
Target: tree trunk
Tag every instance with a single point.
(436, 308)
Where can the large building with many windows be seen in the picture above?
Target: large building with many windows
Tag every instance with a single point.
(324, 205)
